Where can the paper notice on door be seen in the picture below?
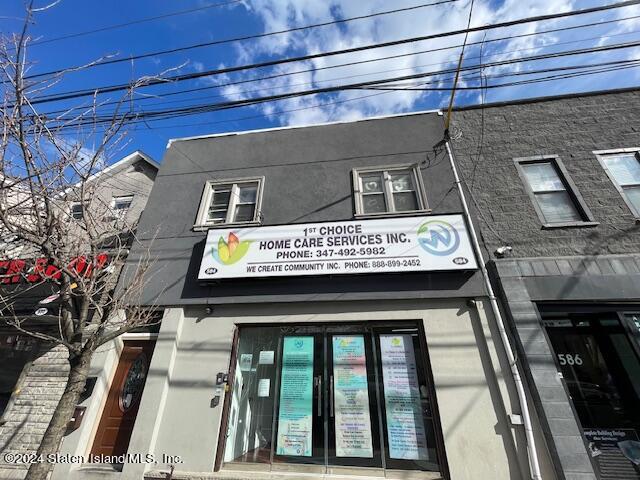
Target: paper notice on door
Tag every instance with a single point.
(295, 418)
(245, 361)
(351, 397)
(266, 357)
(405, 423)
(264, 385)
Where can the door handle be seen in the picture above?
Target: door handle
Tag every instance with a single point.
(331, 395)
(318, 382)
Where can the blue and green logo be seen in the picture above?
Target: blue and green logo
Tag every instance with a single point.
(438, 238)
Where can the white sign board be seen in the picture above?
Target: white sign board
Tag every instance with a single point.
(407, 244)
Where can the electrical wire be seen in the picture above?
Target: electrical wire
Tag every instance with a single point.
(158, 53)
(133, 22)
(380, 82)
(388, 91)
(269, 77)
(191, 76)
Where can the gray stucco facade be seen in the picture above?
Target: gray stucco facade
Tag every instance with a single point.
(589, 268)
(307, 179)
(307, 173)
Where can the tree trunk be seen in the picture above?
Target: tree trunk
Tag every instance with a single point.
(64, 411)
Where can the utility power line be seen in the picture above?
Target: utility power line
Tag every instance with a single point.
(380, 82)
(610, 66)
(191, 76)
(242, 38)
(378, 59)
(147, 125)
(133, 22)
(311, 107)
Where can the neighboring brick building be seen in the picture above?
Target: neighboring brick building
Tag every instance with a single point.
(555, 184)
(33, 375)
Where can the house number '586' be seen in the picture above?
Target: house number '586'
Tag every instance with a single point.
(569, 359)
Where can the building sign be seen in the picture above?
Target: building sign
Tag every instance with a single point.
(405, 423)
(295, 419)
(408, 244)
(34, 271)
(351, 397)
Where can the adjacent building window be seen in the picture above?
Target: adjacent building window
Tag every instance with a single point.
(120, 206)
(234, 201)
(388, 190)
(623, 168)
(554, 196)
(77, 210)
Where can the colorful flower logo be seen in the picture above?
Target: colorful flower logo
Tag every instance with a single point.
(230, 251)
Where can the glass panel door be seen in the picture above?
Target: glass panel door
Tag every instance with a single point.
(354, 434)
(351, 395)
(408, 414)
(300, 428)
(253, 396)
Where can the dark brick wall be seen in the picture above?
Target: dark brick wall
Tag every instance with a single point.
(486, 140)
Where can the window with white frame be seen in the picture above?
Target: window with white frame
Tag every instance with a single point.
(623, 169)
(120, 206)
(554, 196)
(233, 201)
(388, 190)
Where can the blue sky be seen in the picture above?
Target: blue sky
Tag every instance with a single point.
(258, 16)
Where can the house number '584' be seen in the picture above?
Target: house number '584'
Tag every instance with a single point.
(569, 359)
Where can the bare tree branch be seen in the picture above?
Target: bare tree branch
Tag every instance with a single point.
(77, 254)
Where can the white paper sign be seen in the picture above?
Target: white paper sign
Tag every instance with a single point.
(264, 385)
(266, 357)
(407, 244)
(245, 361)
(405, 423)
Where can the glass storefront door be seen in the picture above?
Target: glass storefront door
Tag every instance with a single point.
(602, 373)
(326, 395)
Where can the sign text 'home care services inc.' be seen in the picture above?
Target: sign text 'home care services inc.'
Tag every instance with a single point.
(407, 244)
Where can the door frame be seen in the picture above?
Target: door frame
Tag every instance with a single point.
(111, 368)
(418, 323)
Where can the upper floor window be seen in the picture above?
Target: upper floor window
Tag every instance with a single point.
(388, 190)
(77, 210)
(623, 168)
(232, 201)
(555, 197)
(120, 205)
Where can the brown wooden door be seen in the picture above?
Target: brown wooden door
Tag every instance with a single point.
(123, 400)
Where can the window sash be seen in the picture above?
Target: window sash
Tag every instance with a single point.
(549, 185)
(625, 175)
(632, 192)
(622, 178)
(387, 192)
(563, 211)
(234, 202)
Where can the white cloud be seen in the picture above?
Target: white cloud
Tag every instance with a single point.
(277, 15)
